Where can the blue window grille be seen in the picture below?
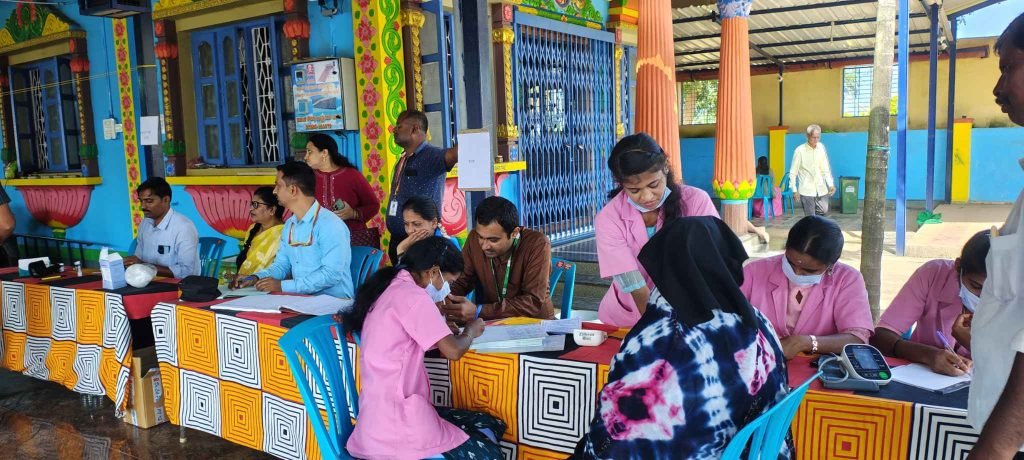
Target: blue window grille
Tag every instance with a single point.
(239, 78)
(440, 102)
(565, 110)
(45, 116)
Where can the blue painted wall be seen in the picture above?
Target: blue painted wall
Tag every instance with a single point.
(107, 220)
(995, 175)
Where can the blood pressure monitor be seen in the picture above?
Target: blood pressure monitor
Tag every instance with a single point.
(859, 367)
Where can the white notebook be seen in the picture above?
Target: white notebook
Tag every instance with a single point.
(920, 376)
(315, 305)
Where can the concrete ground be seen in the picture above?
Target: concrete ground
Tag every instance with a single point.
(932, 241)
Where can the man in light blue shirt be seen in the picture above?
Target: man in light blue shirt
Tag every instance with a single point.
(315, 249)
(166, 239)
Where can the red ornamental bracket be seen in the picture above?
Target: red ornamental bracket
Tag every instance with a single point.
(224, 207)
(57, 207)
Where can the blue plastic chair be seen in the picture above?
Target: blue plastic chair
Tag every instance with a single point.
(910, 332)
(210, 251)
(787, 195)
(365, 261)
(762, 192)
(131, 249)
(564, 270)
(313, 341)
(456, 242)
(768, 431)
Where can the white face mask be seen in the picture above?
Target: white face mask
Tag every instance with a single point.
(969, 298)
(664, 196)
(799, 280)
(438, 295)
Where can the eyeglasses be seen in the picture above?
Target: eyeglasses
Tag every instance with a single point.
(309, 242)
(256, 204)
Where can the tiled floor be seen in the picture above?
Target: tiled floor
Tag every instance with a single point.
(43, 420)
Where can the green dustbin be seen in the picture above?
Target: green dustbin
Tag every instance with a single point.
(849, 191)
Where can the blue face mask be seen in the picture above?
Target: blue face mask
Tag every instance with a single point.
(799, 280)
(664, 196)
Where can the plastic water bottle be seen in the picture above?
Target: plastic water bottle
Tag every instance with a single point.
(78, 268)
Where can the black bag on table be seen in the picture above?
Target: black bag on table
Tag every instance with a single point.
(199, 288)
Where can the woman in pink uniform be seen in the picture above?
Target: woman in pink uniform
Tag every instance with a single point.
(934, 298)
(647, 195)
(396, 313)
(816, 303)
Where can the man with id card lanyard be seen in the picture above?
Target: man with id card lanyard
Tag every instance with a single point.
(508, 267)
(166, 239)
(419, 172)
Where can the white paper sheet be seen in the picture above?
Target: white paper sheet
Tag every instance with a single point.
(920, 376)
(476, 170)
(316, 305)
(549, 343)
(505, 333)
(149, 130)
(562, 326)
(243, 292)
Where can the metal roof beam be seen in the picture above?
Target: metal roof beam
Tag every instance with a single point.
(943, 21)
(784, 9)
(797, 43)
(974, 8)
(793, 56)
(815, 25)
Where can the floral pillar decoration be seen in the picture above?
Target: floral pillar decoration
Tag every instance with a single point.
(656, 110)
(166, 51)
(6, 129)
(87, 150)
(126, 92)
(734, 177)
(296, 28)
(412, 23)
(380, 84)
(503, 37)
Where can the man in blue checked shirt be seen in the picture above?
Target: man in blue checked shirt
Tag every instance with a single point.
(315, 249)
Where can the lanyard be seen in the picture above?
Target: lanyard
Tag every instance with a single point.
(396, 182)
(502, 290)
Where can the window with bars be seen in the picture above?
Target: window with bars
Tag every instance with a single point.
(45, 116)
(244, 113)
(857, 82)
(698, 102)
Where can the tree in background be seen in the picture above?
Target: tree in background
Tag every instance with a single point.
(878, 154)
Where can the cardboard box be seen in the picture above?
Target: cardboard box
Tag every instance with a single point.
(146, 400)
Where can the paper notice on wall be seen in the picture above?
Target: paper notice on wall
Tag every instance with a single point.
(149, 130)
(475, 161)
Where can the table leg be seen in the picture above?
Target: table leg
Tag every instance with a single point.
(181, 435)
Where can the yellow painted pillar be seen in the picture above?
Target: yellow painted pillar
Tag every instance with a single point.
(777, 150)
(961, 172)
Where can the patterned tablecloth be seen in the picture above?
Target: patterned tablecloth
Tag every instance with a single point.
(224, 373)
(73, 335)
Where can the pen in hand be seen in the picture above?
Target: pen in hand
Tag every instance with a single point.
(945, 344)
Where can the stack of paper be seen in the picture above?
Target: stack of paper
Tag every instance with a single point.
(561, 326)
(316, 305)
(920, 376)
(510, 339)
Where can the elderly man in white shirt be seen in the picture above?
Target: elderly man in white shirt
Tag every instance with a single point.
(810, 176)
(166, 239)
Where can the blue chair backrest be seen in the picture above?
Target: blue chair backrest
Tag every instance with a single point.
(365, 261)
(784, 184)
(566, 271)
(313, 341)
(768, 431)
(210, 251)
(764, 186)
(456, 242)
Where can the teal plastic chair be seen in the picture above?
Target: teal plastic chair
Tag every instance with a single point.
(787, 195)
(131, 249)
(767, 432)
(564, 270)
(910, 332)
(313, 341)
(210, 251)
(763, 192)
(365, 261)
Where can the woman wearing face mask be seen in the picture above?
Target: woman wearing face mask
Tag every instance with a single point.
(935, 298)
(396, 314)
(816, 303)
(341, 188)
(647, 195)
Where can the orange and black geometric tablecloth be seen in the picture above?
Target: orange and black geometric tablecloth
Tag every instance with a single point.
(224, 373)
(75, 336)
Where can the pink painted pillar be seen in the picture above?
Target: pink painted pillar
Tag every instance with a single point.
(656, 109)
(734, 176)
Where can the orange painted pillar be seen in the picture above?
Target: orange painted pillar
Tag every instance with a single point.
(656, 111)
(734, 177)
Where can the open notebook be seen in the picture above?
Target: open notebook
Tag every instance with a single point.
(315, 305)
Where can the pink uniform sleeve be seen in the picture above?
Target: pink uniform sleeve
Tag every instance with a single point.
(908, 306)
(423, 322)
(698, 203)
(852, 311)
(614, 255)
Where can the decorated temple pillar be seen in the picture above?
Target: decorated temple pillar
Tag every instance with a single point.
(7, 153)
(622, 21)
(503, 37)
(657, 113)
(380, 86)
(296, 29)
(126, 91)
(412, 20)
(734, 174)
(167, 51)
(87, 150)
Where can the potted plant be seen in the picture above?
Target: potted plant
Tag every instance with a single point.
(89, 156)
(175, 163)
